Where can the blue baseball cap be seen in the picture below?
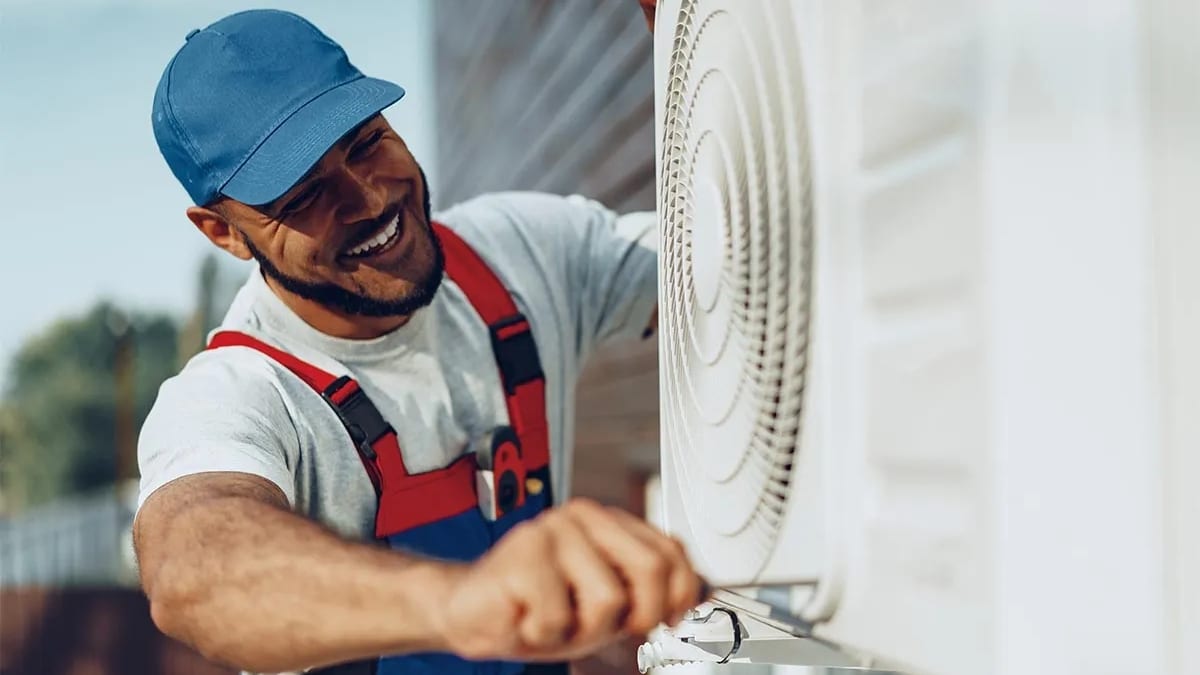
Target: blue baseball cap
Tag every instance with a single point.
(248, 105)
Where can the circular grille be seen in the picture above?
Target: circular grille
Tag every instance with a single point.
(735, 204)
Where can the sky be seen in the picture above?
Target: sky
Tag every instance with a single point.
(88, 208)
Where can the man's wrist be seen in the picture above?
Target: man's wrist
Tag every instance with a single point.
(429, 585)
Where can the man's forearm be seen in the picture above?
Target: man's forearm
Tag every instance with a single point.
(263, 589)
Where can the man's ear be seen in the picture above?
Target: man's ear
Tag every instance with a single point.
(219, 231)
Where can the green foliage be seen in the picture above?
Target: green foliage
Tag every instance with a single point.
(58, 416)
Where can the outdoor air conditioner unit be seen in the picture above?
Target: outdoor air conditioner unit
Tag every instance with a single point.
(915, 273)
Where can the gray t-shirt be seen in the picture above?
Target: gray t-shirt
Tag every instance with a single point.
(581, 274)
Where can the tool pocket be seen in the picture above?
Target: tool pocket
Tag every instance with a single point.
(534, 504)
(435, 514)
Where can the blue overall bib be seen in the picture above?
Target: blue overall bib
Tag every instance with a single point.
(460, 511)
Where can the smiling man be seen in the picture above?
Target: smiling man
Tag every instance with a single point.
(367, 468)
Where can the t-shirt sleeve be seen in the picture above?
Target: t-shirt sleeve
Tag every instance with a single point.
(613, 272)
(223, 412)
(597, 269)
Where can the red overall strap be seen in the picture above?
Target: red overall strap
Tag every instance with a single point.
(380, 456)
(405, 501)
(512, 343)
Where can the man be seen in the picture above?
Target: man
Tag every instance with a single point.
(362, 464)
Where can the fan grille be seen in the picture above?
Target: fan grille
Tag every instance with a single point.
(735, 203)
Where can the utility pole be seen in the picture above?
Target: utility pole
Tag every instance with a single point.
(194, 332)
(124, 396)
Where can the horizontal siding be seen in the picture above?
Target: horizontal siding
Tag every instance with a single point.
(557, 96)
(544, 95)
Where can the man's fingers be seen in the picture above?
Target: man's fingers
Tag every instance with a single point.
(569, 581)
(648, 11)
(685, 587)
(600, 596)
(644, 569)
(539, 587)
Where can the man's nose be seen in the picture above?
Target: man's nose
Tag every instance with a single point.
(359, 198)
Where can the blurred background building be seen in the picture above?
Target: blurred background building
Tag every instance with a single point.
(559, 97)
(514, 94)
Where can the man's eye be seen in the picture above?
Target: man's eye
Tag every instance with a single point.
(302, 201)
(366, 146)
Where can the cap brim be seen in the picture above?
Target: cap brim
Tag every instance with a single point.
(300, 142)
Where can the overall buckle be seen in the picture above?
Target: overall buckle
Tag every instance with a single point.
(357, 413)
(516, 352)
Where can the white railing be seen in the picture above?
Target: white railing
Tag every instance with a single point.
(83, 540)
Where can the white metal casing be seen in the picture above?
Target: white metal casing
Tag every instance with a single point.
(983, 482)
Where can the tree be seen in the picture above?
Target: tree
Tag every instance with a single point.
(77, 392)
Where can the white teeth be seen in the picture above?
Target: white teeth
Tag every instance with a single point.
(384, 236)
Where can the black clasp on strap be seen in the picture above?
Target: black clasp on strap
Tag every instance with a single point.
(360, 417)
(516, 355)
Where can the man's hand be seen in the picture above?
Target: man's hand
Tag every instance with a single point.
(224, 549)
(648, 10)
(563, 585)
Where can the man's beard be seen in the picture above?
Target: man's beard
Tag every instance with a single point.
(348, 302)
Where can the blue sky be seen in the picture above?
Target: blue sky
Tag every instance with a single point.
(88, 208)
